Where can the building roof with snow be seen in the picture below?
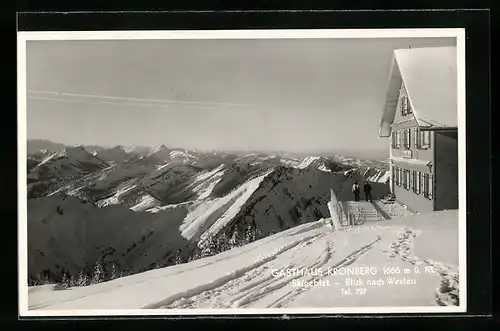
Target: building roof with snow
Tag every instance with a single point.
(430, 78)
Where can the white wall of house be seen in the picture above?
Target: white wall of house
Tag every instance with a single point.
(415, 202)
(391, 168)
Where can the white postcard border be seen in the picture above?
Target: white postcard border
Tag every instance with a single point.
(24, 36)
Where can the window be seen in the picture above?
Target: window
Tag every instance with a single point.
(405, 106)
(418, 174)
(430, 193)
(414, 135)
(426, 139)
(406, 138)
(398, 176)
(423, 139)
(422, 189)
(409, 138)
(428, 186)
(406, 179)
(394, 139)
(413, 181)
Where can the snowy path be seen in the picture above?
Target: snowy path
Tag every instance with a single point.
(260, 288)
(254, 275)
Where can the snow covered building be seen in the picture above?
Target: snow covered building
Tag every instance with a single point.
(420, 117)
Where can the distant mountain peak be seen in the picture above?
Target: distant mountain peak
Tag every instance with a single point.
(308, 161)
(77, 147)
(161, 148)
(118, 148)
(130, 149)
(160, 151)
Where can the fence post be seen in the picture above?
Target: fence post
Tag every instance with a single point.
(333, 206)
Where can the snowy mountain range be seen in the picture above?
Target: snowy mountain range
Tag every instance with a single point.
(138, 208)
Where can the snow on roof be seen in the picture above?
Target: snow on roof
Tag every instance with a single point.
(410, 161)
(415, 164)
(430, 77)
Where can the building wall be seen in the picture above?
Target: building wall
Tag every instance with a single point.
(414, 202)
(391, 178)
(416, 153)
(399, 117)
(404, 122)
(446, 170)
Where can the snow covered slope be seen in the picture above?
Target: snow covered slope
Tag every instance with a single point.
(371, 174)
(69, 163)
(210, 217)
(39, 155)
(115, 154)
(322, 164)
(31, 163)
(65, 232)
(182, 155)
(34, 146)
(138, 150)
(159, 154)
(303, 267)
(377, 175)
(288, 197)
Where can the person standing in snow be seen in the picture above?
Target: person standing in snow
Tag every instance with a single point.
(367, 188)
(355, 190)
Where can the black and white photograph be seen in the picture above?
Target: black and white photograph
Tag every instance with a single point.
(223, 172)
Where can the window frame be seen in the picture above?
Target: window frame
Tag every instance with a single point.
(428, 185)
(394, 136)
(407, 138)
(431, 187)
(406, 179)
(396, 175)
(405, 106)
(413, 181)
(418, 187)
(424, 138)
(422, 183)
(415, 137)
(426, 143)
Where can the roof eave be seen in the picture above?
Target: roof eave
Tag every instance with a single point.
(391, 100)
(438, 128)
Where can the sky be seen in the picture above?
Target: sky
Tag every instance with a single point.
(295, 95)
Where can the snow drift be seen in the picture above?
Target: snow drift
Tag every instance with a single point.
(255, 275)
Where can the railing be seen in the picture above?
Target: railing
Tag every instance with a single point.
(336, 210)
(380, 217)
(349, 217)
(345, 216)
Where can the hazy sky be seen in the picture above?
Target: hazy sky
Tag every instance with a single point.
(297, 95)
